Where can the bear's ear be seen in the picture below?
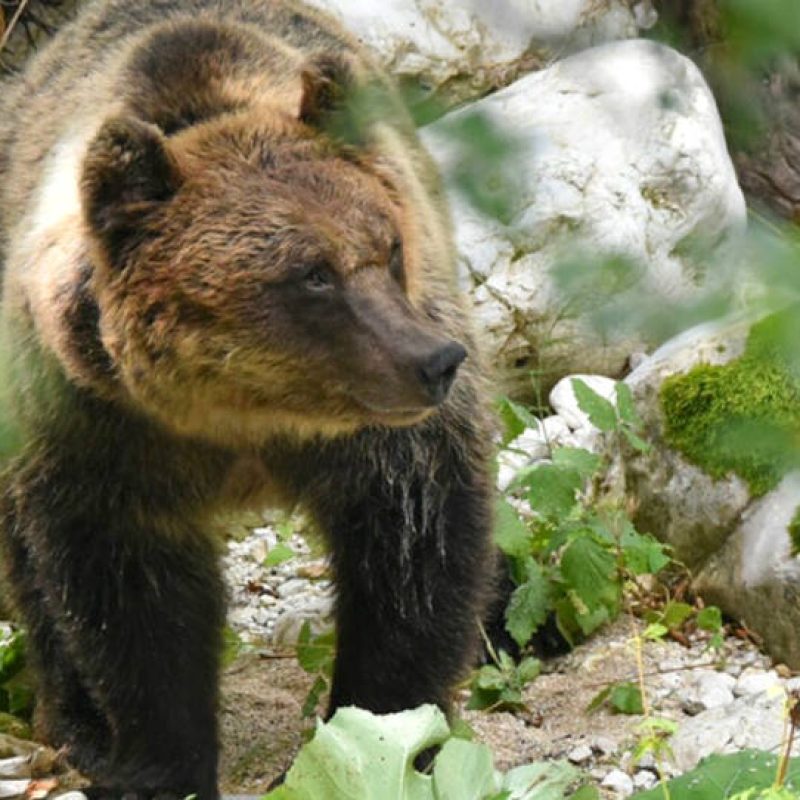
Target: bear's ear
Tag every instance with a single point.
(127, 172)
(328, 86)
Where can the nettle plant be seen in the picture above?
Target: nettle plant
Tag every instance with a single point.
(571, 548)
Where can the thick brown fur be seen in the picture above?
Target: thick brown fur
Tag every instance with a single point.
(212, 299)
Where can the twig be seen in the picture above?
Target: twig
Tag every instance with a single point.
(13, 23)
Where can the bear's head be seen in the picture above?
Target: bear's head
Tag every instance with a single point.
(253, 276)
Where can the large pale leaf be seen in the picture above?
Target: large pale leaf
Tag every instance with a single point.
(362, 756)
(719, 777)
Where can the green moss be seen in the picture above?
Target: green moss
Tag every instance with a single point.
(744, 416)
(794, 532)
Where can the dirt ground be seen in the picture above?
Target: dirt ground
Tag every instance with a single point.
(262, 727)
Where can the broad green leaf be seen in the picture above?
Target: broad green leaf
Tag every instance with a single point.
(516, 419)
(709, 619)
(553, 490)
(490, 677)
(720, 777)
(315, 653)
(601, 412)
(626, 698)
(586, 793)
(464, 771)
(591, 619)
(528, 670)
(481, 699)
(529, 604)
(675, 614)
(591, 571)
(278, 555)
(626, 406)
(584, 462)
(655, 631)
(361, 756)
(542, 781)
(642, 553)
(510, 533)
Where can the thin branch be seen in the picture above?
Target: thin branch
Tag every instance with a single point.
(13, 23)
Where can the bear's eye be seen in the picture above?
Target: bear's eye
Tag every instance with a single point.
(396, 269)
(317, 279)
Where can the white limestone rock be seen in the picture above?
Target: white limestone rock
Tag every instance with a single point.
(755, 577)
(622, 154)
(467, 46)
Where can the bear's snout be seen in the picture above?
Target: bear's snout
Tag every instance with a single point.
(437, 370)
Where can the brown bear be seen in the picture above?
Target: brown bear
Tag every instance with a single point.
(226, 283)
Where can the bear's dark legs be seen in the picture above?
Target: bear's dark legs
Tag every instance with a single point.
(125, 626)
(412, 561)
(64, 708)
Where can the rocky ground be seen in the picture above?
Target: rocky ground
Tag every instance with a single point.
(721, 701)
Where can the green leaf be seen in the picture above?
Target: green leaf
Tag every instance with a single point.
(591, 571)
(12, 655)
(529, 604)
(464, 771)
(553, 490)
(278, 555)
(601, 412)
(516, 419)
(360, 756)
(675, 614)
(642, 553)
(311, 703)
(315, 653)
(655, 631)
(510, 533)
(709, 619)
(528, 670)
(635, 441)
(626, 698)
(490, 677)
(231, 646)
(461, 729)
(584, 462)
(720, 777)
(598, 700)
(587, 792)
(542, 781)
(626, 406)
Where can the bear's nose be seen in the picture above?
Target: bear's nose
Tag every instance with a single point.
(438, 369)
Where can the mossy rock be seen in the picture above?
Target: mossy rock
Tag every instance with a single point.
(742, 417)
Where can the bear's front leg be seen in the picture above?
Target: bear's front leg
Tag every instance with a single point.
(125, 610)
(408, 514)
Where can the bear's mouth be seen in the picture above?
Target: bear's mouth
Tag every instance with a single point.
(397, 415)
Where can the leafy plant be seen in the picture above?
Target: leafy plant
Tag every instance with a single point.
(316, 655)
(499, 686)
(16, 691)
(572, 555)
(362, 756)
(746, 775)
